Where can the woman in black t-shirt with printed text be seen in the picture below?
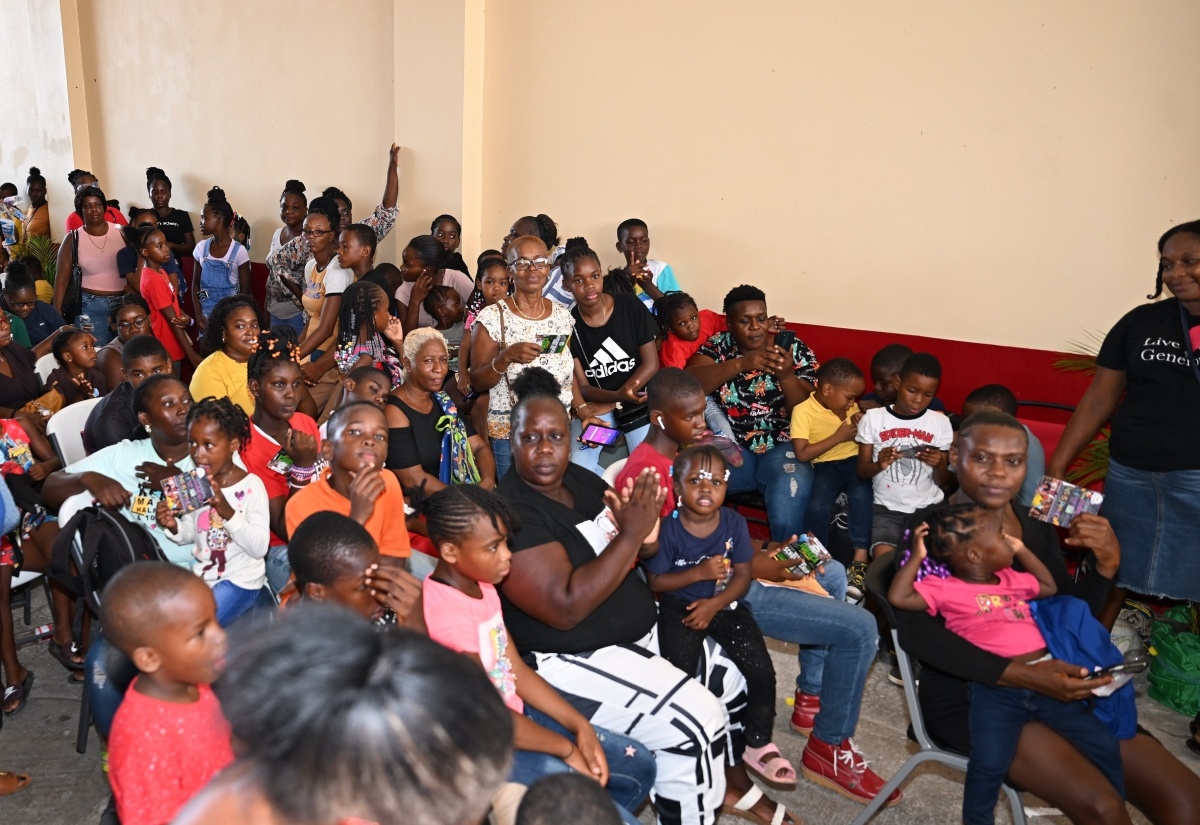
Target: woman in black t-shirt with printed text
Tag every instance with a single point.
(1148, 380)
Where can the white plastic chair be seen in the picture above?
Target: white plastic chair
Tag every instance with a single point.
(44, 366)
(612, 471)
(65, 430)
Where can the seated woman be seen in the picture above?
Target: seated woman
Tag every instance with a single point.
(507, 338)
(424, 265)
(19, 382)
(129, 316)
(989, 458)
(756, 384)
(573, 601)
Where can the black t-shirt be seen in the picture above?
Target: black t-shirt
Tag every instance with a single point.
(419, 442)
(24, 386)
(112, 420)
(1157, 426)
(623, 618)
(609, 353)
(175, 225)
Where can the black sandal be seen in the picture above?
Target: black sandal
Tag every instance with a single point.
(21, 692)
(63, 653)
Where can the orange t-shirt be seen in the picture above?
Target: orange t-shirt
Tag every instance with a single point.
(387, 525)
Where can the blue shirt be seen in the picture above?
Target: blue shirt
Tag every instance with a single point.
(680, 550)
(43, 322)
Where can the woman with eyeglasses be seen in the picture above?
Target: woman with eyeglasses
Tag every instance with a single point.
(325, 279)
(130, 316)
(518, 331)
(424, 265)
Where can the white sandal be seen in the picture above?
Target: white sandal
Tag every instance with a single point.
(741, 808)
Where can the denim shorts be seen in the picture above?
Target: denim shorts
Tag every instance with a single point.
(1155, 515)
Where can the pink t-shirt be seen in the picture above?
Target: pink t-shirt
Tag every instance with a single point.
(160, 754)
(995, 617)
(469, 625)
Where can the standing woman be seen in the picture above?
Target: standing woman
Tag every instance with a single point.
(283, 304)
(222, 264)
(1148, 380)
(507, 338)
(423, 264)
(174, 223)
(94, 247)
(324, 282)
(80, 178)
(37, 217)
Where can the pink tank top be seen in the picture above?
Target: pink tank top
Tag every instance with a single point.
(98, 258)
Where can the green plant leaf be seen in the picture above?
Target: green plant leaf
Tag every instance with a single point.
(46, 252)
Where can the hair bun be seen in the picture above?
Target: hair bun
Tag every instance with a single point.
(294, 186)
(33, 170)
(153, 172)
(216, 195)
(577, 243)
(534, 381)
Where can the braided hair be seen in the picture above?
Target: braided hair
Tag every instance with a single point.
(63, 340)
(450, 513)
(126, 299)
(1189, 228)
(135, 235)
(356, 315)
(230, 419)
(617, 282)
(577, 249)
(275, 346)
(217, 203)
(668, 305)
(950, 526)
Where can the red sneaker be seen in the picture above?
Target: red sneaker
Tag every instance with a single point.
(844, 769)
(804, 712)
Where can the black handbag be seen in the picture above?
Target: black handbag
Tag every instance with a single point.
(73, 298)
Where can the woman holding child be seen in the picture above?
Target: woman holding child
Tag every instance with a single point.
(573, 603)
(990, 461)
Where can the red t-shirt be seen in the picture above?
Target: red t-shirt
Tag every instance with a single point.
(675, 351)
(111, 214)
(161, 754)
(156, 288)
(262, 449)
(645, 456)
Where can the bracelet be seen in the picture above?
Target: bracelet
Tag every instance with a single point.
(302, 473)
(493, 366)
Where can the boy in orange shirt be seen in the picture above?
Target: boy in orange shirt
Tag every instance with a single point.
(357, 485)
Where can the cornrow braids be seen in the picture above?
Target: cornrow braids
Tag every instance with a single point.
(950, 525)
(126, 299)
(229, 417)
(451, 512)
(576, 250)
(668, 305)
(63, 340)
(275, 346)
(356, 315)
(618, 281)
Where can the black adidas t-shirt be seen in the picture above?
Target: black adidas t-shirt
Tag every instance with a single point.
(1157, 426)
(609, 353)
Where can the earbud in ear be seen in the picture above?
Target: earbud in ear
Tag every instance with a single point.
(661, 426)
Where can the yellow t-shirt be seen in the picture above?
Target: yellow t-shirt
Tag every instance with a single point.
(219, 375)
(813, 423)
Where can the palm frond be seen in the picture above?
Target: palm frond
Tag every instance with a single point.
(1082, 357)
(1092, 464)
(46, 252)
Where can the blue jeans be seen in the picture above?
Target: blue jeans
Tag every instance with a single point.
(996, 717)
(232, 601)
(96, 307)
(296, 322)
(588, 457)
(716, 419)
(502, 452)
(279, 569)
(109, 672)
(784, 482)
(630, 777)
(212, 295)
(830, 479)
(837, 645)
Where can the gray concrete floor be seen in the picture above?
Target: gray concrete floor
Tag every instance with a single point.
(71, 788)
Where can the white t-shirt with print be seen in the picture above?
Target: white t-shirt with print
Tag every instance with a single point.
(907, 484)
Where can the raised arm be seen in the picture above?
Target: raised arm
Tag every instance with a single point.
(902, 594)
(391, 187)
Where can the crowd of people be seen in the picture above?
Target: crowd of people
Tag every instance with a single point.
(432, 452)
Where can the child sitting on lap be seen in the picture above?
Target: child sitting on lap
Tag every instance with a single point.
(702, 569)
(232, 532)
(684, 329)
(169, 737)
(974, 587)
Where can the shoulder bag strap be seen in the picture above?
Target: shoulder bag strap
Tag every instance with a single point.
(1187, 341)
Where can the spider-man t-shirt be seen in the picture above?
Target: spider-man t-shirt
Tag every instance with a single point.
(907, 484)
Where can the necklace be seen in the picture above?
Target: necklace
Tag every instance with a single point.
(541, 309)
(99, 246)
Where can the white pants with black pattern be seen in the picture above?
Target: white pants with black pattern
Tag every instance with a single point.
(633, 690)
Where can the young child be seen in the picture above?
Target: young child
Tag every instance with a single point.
(367, 334)
(445, 305)
(702, 569)
(653, 278)
(684, 329)
(823, 429)
(169, 737)
(366, 383)
(76, 376)
(1000, 397)
(885, 373)
(356, 249)
(903, 448)
(357, 485)
(491, 285)
(961, 568)
(167, 320)
(222, 264)
(559, 798)
(241, 232)
(232, 531)
(470, 527)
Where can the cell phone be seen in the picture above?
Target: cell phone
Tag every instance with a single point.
(784, 340)
(603, 436)
(912, 452)
(1131, 666)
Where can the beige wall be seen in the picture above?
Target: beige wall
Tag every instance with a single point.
(989, 172)
(35, 130)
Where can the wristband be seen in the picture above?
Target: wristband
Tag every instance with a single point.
(304, 474)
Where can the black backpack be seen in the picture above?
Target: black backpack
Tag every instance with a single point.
(107, 542)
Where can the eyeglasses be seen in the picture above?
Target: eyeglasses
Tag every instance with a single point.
(22, 304)
(125, 326)
(315, 233)
(524, 264)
